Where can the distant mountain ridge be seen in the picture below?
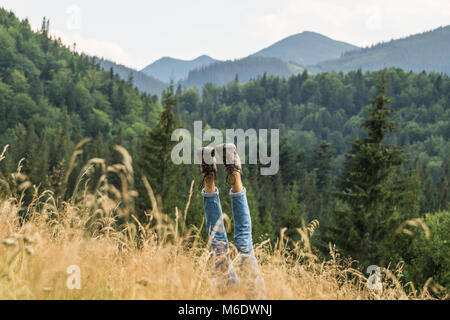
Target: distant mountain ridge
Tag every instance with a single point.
(283, 59)
(167, 68)
(143, 82)
(306, 48)
(221, 73)
(428, 51)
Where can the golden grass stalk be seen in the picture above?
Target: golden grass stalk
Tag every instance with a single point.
(153, 260)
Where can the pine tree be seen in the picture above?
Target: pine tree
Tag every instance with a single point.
(266, 206)
(444, 187)
(294, 212)
(361, 90)
(287, 162)
(155, 159)
(322, 174)
(323, 165)
(130, 80)
(300, 167)
(39, 172)
(122, 108)
(45, 29)
(179, 91)
(28, 149)
(374, 193)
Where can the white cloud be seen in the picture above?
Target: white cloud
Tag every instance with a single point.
(137, 32)
(297, 16)
(358, 22)
(100, 48)
(103, 49)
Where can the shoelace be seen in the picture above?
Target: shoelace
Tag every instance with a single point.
(230, 170)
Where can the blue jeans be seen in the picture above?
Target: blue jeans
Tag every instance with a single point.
(224, 274)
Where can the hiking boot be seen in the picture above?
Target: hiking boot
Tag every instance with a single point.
(208, 161)
(230, 157)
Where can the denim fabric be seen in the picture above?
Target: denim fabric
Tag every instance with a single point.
(246, 261)
(242, 222)
(223, 270)
(214, 222)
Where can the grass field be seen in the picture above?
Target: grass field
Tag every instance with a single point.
(163, 259)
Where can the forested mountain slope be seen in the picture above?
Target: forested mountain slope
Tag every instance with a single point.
(144, 83)
(428, 51)
(52, 98)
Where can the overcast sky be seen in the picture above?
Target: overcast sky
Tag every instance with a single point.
(138, 32)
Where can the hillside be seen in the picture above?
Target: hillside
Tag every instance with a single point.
(429, 51)
(167, 69)
(37, 255)
(52, 98)
(306, 48)
(142, 81)
(63, 118)
(220, 73)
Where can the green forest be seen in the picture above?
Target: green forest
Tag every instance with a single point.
(424, 51)
(52, 98)
(143, 82)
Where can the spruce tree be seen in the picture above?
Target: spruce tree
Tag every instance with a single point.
(323, 164)
(322, 177)
(287, 162)
(444, 187)
(375, 196)
(155, 158)
(293, 212)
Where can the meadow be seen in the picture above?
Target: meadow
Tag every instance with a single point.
(121, 258)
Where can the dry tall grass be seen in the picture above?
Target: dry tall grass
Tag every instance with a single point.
(163, 259)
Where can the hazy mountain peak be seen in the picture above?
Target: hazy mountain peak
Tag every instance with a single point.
(309, 33)
(168, 68)
(306, 48)
(203, 57)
